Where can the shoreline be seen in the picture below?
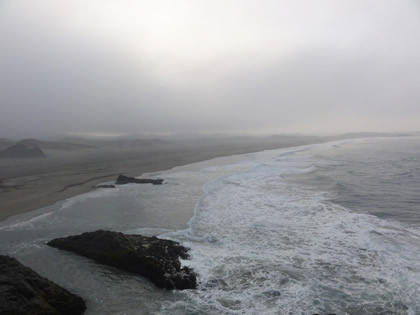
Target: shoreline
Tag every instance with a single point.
(30, 184)
(44, 185)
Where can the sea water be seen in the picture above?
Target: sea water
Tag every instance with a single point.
(326, 228)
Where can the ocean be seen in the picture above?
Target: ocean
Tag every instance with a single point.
(323, 228)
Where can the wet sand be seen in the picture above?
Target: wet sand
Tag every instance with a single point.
(30, 184)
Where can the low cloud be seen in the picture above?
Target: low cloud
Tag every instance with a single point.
(271, 66)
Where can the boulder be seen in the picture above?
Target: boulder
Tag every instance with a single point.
(23, 291)
(122, 180)
(151, 257)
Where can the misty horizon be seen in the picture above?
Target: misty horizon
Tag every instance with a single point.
(229, 67)
(262, 156)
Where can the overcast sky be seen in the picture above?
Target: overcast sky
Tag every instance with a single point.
(255, 66)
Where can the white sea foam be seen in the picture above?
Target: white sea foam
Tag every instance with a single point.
(261, 245)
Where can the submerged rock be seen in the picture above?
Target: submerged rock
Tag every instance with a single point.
(154, 258)
(122, 180)
(23, 291)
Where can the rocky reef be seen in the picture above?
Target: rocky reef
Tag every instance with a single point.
(151, 257)
(122, 180)
(23, 291)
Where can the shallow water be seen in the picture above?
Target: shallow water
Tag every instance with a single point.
(293, 231)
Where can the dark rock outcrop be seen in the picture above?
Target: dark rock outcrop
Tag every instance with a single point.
(122, 180)
(23, 291)
(104, 186)
(154, 258)
(21, 150)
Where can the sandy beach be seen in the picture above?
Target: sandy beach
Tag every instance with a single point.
(29, 184)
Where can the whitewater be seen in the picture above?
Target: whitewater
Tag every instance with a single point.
(325, 228)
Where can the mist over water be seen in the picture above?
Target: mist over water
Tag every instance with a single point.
(264, 236)
(325, 228)
(270, 66)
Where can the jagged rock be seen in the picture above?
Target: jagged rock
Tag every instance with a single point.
(21, 150)
(154, 258)
(23, 291)
(104, 186)
(122, 180)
